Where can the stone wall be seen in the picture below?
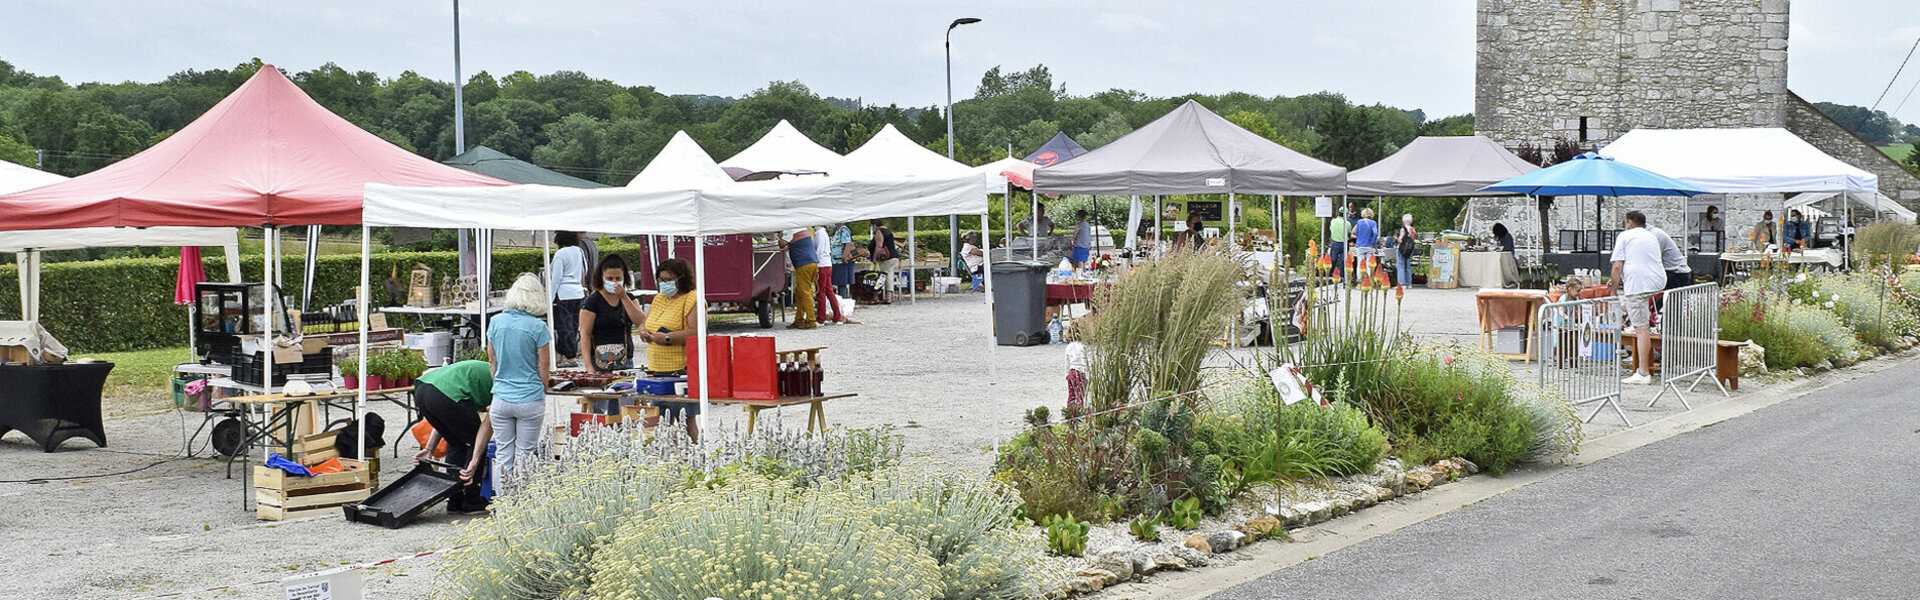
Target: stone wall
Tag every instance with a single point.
(1625, 64)
(1830, 137)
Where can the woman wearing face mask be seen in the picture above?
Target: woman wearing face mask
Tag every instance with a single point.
(606, 323)
(669, 324)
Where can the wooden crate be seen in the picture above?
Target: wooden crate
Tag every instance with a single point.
(281, 496)
(315, 449)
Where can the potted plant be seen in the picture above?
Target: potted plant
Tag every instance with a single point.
(349, 372)
(378, 366)
(412, 366)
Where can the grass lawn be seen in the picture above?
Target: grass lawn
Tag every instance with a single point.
(1898, 151)
(141, 381)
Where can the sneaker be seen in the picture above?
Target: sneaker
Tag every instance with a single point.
(1638, 379)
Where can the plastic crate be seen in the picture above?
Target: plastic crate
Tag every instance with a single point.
(249, 369)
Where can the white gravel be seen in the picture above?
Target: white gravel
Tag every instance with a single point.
(922, 368)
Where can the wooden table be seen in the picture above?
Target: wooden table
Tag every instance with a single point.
(1726, 363)
(816, 409)
(1497, 310)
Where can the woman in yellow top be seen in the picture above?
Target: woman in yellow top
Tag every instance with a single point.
(669, 324)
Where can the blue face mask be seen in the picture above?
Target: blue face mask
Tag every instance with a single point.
(612, 287)
(668, 288)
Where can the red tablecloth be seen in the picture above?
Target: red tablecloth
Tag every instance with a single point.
(1069, 293)
(1508, 308)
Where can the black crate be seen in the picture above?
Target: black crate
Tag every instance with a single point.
(250, 369)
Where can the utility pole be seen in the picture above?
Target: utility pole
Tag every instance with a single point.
(953, 221)
(459, 103)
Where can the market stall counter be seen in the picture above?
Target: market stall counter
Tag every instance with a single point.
(1488, 269)
(1509, 321)
(52, 403)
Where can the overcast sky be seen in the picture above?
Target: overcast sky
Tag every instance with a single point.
(1406, 53)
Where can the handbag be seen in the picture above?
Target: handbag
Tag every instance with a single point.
(882, 250)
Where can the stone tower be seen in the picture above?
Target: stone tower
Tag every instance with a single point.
(1591, 70)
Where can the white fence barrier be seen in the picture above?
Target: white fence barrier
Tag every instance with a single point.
(1579, 353)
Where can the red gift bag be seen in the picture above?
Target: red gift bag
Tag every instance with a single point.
(719, 378)
(755, 374)
(579, 421)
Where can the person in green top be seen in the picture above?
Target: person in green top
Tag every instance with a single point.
(1338, 232)
(453, 398)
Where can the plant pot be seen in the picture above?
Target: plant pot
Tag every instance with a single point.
(375, 382)
(351, 382)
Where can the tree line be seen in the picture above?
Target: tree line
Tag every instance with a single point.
(597, 129)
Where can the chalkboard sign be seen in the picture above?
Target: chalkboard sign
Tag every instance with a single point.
(1207, 211)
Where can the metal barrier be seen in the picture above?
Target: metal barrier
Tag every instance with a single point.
(1689, 339)
(1579, 352)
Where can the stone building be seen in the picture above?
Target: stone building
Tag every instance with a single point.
(1591, 70)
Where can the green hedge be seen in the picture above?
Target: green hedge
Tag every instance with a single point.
(127, 303)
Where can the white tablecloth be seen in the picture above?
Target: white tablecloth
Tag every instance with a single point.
(1488, 269)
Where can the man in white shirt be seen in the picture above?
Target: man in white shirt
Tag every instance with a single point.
(568, 267)
(1637, 276)
(826, 300)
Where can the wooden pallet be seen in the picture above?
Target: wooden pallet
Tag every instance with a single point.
(280, 496)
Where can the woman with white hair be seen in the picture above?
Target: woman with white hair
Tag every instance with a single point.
(1403, 244)
(1366, 236)
(517, 342)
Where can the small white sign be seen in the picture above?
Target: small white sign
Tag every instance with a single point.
(1216, 182)
(1323, 207)
(342, 584)
(1293, 387)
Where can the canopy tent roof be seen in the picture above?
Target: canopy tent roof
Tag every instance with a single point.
(1593, 175)
(1430, 167)
(1872, 202)
(685, 203)
(266, 155)
(682, 165)
(1739, 161)
(116, 237)
(784, 148)
(892, 154)
(1192, 151)
(500, 165)
(16, 178)
(1056, 150)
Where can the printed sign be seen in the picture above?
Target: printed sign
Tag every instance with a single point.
(342, 584)
(1207, 211)
(1293, 387)
(1216, 182)
(1323, 207)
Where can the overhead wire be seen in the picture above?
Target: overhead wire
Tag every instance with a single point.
(1896, 75)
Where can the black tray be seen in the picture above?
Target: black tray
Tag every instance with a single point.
(399, 503)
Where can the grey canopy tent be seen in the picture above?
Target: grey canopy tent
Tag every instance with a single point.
(1440, 167)
(1194, 151)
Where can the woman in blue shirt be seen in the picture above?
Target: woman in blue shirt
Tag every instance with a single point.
(517, 343)
(1366, 235)
(843, 256)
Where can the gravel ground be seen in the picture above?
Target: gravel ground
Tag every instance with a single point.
(921, 368)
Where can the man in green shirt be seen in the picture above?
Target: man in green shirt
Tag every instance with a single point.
(452, 399)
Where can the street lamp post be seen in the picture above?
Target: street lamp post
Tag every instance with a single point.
(953, 221)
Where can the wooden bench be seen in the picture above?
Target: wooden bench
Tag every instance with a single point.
(1726, 367)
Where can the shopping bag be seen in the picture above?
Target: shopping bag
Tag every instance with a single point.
(420, 432)
(755, 371)
(719, 376)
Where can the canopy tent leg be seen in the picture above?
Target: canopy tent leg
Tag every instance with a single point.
(1132, 235)
(270, 242)
(700, 326)
(483, 274)
(1033, 214)
(546, 268)
(1006, 218)
(1277, 280)
(913, 296)
(232, 251)
(1232, 222)
(993, 345)
(313, 255)
(1599, 259)
(364, 297)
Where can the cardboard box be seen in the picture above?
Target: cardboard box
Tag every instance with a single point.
(313, 344)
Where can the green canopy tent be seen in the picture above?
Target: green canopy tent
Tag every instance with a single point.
(500, 165)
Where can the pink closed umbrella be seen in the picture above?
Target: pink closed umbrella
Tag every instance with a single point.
(192, 272)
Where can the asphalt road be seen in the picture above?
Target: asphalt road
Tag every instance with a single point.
(1814, 497)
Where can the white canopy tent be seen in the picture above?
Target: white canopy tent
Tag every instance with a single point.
(890, 153)
(1759, 160)
(692, 203)
(785, 148)
(994, 174)
(18, 178)
(1886, 208)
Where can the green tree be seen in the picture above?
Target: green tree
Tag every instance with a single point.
(15, 151)
(1110, 128)
(1912, 161)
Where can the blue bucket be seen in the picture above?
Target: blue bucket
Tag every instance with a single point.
(486, 479)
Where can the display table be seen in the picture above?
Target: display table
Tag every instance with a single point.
(1488, 269)
(1509, 308)
(816, 408)
(1071, 293)
(1734, 263)
(51, 403)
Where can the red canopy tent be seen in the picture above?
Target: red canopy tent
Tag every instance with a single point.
(267, 155)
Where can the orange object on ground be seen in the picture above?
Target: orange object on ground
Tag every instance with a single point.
(331, 466)
(420, 432)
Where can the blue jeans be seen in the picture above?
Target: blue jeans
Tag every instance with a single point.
(1338, 250)
(516, 434)
(1403, 269)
